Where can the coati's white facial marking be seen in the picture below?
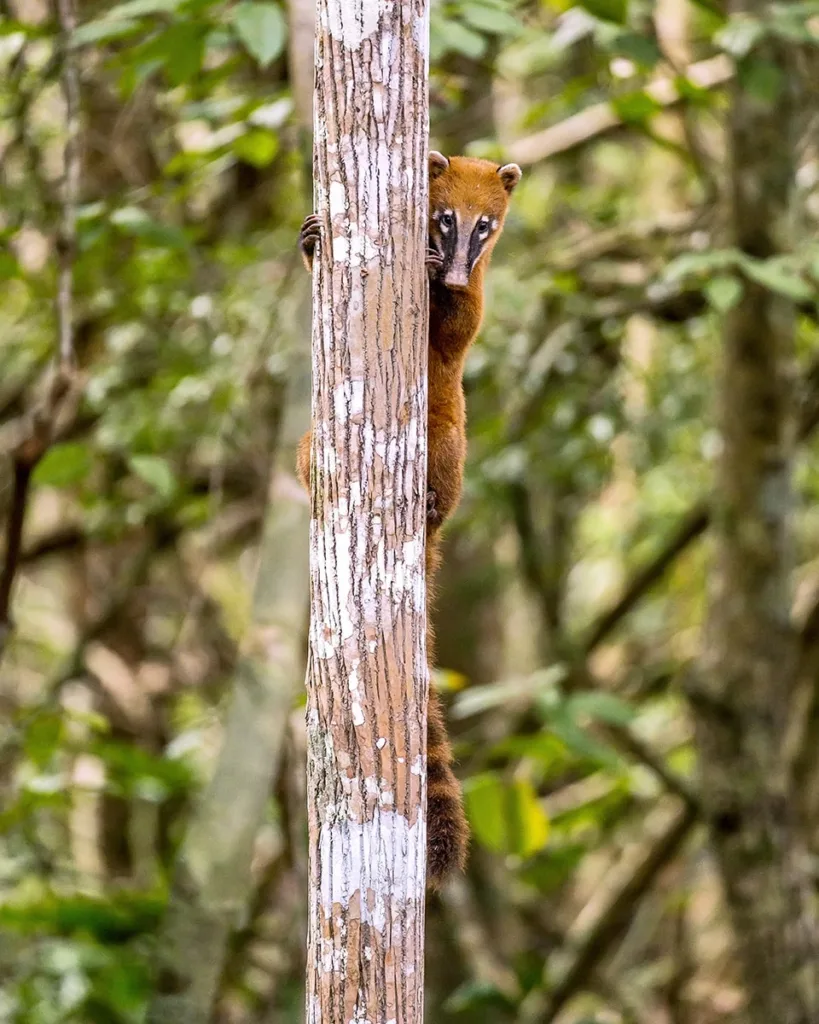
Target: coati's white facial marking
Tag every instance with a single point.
(462, 239)
(446, 221)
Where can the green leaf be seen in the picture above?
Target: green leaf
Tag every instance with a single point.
(692, 264)
(520, 690)
(474, 995)
(579, 742)
(180, 49)
(491, 19)
(554, 867)
(257, 147)
(155, 471)
(141, 8)
(64, 465)
(131, 220)
(604, 707)
(740, 35)
(120, 20)
(608, 10)
(9, 267)
(262, 29)
(723, 292)
(761, 79)
(108, 920)
(643, 51)
(100, 31)
(780, 276)
(635, 108)
(506, 816)
(453, 36)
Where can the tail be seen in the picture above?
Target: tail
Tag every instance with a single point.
(447, 828)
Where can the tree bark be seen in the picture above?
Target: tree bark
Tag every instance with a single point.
(368, 678)
(741, 699)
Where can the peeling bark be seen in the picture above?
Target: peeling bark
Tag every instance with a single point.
(741, 701)
(368, 678)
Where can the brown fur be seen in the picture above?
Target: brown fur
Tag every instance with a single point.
(472, 189)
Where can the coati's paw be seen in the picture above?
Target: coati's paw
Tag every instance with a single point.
(433, 515)
(434, 262)
(309, 235)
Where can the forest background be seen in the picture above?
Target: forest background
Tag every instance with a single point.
(577, 571)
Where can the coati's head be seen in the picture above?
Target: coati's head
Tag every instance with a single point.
(468, 200)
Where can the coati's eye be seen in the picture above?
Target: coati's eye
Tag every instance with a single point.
(483, 227)
(446, 220)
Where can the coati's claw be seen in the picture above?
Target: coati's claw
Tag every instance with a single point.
(433, 515)
(434, 262)
(309, 235)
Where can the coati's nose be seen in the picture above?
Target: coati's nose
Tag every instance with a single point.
(457, 277)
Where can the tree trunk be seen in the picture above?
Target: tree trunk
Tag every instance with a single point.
(368, 677)
(741, 701)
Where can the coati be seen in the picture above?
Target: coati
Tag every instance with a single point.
(468, 200)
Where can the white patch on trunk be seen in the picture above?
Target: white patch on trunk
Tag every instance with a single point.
(420, 33)
(351, 21)
(337, 199)
(348, 400)
(384, 859)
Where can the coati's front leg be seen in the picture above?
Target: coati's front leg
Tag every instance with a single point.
(309, 237)
(434, 262)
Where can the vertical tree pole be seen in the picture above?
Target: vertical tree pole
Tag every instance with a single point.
(742, 702)
(368, 676)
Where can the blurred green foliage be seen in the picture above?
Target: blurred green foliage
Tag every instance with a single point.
(591, 434)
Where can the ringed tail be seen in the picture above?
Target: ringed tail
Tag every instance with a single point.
(447, 828)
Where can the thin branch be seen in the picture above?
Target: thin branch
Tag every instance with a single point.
(14, 538)
(37, 439)
(622, 737)
(572, 253)
(540, 572)
(611, 988)
(692, 526)
(118, 597)
(476, 943)
(611, 922)
(800, 744)
(71, 183)
(63, 539)
(598, 120)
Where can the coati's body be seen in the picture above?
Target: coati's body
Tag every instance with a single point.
(468, 199)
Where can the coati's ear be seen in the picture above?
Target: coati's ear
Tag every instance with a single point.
(438, 163)
(510, 175)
